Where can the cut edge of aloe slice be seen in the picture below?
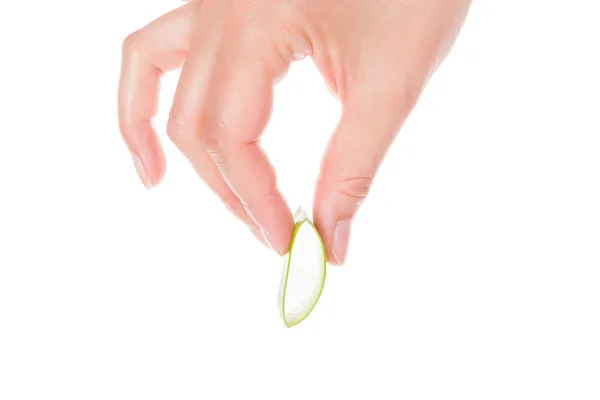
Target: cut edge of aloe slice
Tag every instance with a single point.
(300, 218)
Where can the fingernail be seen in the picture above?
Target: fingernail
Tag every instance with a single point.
(257, 232)
(341, 235)
(139, 167)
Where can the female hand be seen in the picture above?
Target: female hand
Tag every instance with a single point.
(376, 56)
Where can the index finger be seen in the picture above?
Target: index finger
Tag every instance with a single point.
(222, 105)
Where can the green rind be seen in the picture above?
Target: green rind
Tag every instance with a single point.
(287, 272)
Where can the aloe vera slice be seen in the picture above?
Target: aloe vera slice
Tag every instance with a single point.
(303, 274)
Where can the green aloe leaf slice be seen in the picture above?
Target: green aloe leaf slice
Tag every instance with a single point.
(303, 274)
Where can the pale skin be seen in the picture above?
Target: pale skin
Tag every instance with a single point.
(375, 55)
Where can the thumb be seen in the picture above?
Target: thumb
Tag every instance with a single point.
(369, 124)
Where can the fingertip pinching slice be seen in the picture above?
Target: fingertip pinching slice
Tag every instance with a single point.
(304, 271)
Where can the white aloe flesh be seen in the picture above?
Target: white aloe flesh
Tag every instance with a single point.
(304, 271)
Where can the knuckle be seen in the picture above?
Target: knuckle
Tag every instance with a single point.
(182, 129)
(265, 195)
(131, 44)
(355, 189)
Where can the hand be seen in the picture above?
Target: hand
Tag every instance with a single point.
(376, 56)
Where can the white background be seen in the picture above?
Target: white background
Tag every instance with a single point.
(474, 269)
